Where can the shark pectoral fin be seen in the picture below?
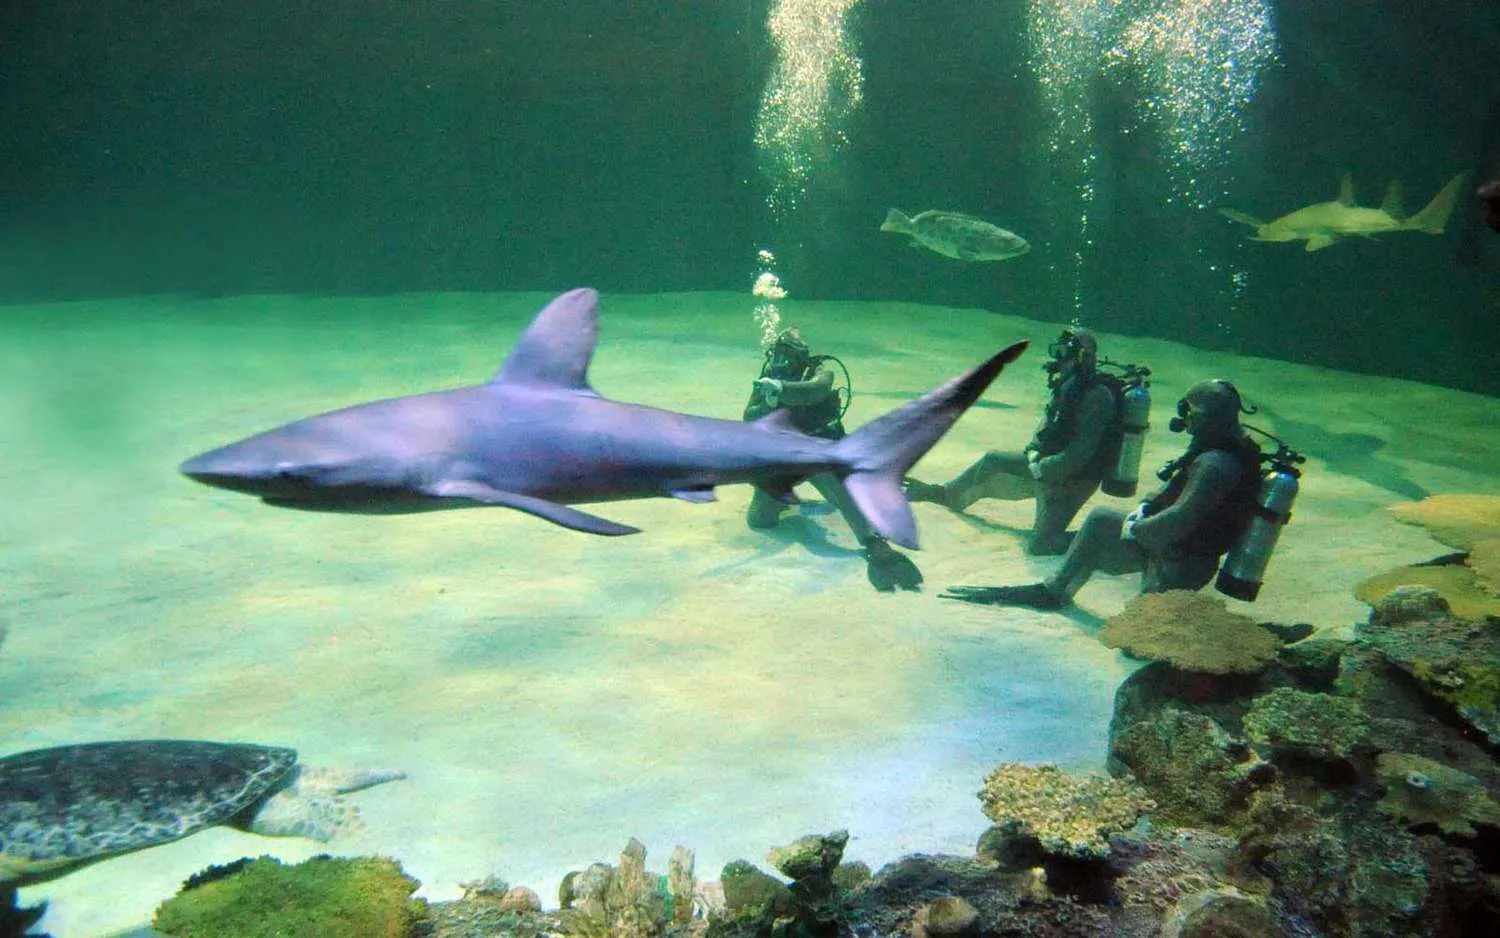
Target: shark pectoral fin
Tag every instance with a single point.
(1318, 242)
(698, 495)
(552, 511)
(1241, 217)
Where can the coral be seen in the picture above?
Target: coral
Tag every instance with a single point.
(945, 916)
(1159, 870)
(1198, 775)
(626, 901)
(749, 891)
(324, 897)
(1314, 724)
(1068, 816)
(1192, 631)
(1468, 522)
(1220, 913)
(814, 855)
(1422, 791)
(1456, 583)
(1456, 660)
(1352, 875)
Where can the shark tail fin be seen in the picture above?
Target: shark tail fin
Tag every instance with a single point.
(879, 454)
(895, 220)
(1241, 217)
(1434, 218)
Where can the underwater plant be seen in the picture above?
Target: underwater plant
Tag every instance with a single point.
(325, 897)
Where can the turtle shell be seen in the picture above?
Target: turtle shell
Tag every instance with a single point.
(64, 807)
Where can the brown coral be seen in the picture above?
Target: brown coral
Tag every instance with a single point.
(1068, 815)
(1457, 583)
(1466, 522)
(1421, 791)
(1190, 631)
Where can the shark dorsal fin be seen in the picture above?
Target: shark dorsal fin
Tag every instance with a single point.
(556, 348)
(1391, 204)
(1346, 190)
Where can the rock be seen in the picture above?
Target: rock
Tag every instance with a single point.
(1455, 660)
(947, 917)
(814, 855)
(1069, 816)
(520, 899)
(751, 891)
(1220, 913)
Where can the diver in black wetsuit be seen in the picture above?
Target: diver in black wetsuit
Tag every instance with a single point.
(1066, 460)
(802, 383)
(1175, 538)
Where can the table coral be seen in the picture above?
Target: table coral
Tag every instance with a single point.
(1191, 631)
(1455, 582)
(1068, 815)
(1467, 522)
(1422, 791)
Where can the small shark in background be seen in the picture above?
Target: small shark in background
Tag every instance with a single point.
(537, 438)
(1325, 222)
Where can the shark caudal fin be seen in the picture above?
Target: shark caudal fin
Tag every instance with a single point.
(879, 453)
(1434, 218)
(896, 220)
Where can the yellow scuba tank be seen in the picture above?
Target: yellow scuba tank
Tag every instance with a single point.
(1123, 478)
(1245, 568)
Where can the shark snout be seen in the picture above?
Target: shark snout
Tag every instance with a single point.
(226, 469)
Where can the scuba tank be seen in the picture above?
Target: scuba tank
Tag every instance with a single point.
(1123, 478)
(1245, 567)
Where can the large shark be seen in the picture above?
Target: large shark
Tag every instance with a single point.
(537, 438)
(1325, 222)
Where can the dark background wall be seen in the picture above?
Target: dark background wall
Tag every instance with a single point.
(358, 146)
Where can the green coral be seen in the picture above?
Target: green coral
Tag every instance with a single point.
(1456, 660)
(1316, 724)
(1421, 791)
(1197, 773)
(325, 897)
(1069, 816)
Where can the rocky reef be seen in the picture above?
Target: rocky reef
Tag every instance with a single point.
(1261, 784)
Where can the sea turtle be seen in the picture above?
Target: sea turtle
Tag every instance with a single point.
(961, 237)
(70, 806)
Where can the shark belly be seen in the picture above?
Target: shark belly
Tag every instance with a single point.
(591, 449)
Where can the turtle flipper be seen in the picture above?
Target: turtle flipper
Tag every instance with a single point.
(334, 780)
(294, 813)
(311, 805)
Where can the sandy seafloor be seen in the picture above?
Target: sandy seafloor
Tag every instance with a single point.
(553, 693)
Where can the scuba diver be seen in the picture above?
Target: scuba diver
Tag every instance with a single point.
(803, 384)
(1091, 434)
(1214, 502)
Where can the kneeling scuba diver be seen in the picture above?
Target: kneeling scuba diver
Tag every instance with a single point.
(794, 379)
(1215, 501)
